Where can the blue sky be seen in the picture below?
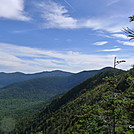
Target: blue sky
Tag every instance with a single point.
(68, 35)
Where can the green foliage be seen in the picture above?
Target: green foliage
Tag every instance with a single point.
(131, 18)
(98, 117)
(128, 31)
(87, 108)
(67, 114)
(111, 81)
(23, 98)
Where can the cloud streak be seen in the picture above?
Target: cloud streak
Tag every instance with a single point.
(68, 4)
(111, 50)
(101, 43)
(128, 43)
(26, 59)
(121, 36)
(57, 16)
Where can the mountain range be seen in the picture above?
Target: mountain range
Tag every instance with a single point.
(10, 78)
(26, 96)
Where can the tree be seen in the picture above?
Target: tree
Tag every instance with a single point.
(131, 18)
(128, 31)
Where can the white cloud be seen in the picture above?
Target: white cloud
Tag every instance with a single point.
(128, 43)
(13, 9)
(29, 60)
(106, 23)
(101, 43)
(56, 16)
(122, 36)
(26, 59)
(111, 50)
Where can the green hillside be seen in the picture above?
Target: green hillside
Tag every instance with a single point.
(23, 98)
(88, 108)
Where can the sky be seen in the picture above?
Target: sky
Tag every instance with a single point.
(68, 35)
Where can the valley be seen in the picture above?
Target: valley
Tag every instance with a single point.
(23, 98)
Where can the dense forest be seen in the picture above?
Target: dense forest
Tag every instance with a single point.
(89, 108)
(21, 99)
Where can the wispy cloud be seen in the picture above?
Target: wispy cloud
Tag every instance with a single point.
(56, 15)
(13, 9)
(68, 4)
(26, 59)
(101, 43)
(122, 36)
(111, 50)
(128, 43)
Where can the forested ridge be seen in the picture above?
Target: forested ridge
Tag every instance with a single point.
(87, 108)
(10, 78)
(21, 99)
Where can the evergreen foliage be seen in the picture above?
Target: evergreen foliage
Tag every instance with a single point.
(24, 98)
(87, 108)
(128, 31)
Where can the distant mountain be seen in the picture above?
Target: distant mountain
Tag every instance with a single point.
(53, 83)
(81, 76)
(25, 95)
(88, 108)
(10, 78)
